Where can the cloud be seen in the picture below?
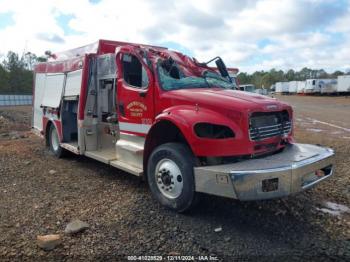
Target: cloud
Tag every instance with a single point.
(251, 34)
(50, 38)
(341, 23)
(200, 19)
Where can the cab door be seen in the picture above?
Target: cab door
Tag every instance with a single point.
(135, 103)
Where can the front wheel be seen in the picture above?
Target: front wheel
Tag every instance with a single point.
(54, 142)
(170, 176)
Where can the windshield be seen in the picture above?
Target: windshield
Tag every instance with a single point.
(171, 77)
(214, 79)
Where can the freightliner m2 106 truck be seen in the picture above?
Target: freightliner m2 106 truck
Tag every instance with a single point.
(179, 123)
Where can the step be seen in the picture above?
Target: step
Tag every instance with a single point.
(71, 146)
(130, 146)
(105, 155)
(133, 138)
(126, 167)
(130, 150)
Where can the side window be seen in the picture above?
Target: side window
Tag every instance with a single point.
(133, 72)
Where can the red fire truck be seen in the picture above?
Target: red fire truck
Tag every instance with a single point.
(179, 123)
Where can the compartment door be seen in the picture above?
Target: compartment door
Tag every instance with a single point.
(39, 90)
(53, 90)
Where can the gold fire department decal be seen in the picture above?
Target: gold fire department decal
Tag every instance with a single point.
(136, 108)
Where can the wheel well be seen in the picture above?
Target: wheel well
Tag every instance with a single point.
(161, 133)
(47, 132)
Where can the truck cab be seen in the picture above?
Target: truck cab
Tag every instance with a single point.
(178, 123)
(247, 88)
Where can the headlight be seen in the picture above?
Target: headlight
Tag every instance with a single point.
(213, 131)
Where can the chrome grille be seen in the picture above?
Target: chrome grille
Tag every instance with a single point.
(266, 125)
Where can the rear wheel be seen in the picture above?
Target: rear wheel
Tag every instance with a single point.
(170, 176)
(54, 142)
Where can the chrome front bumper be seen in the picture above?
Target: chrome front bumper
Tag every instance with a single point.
(296, 168)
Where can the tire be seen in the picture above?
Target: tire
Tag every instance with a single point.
(54, 142)
(170, 176)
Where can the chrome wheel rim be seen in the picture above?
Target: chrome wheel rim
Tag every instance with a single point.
(169, 178)
(54, 140)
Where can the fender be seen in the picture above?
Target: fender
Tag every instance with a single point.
(185, 118)
(57, 123)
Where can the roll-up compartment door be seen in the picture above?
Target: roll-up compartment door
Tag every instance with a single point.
(73, 83)
(39, 90)
(53, 90)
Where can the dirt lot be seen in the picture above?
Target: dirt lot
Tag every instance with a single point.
(124, 219)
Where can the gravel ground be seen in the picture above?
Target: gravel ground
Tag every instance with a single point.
(125, 221)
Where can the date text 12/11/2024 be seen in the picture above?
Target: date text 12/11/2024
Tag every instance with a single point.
(172, 258)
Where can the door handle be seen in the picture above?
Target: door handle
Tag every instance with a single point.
(121, 108)
(112, 119)
(143, 93)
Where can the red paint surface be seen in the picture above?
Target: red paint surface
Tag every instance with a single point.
(84, 87)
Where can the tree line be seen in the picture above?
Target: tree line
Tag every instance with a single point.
(267, 78)
(16, 72)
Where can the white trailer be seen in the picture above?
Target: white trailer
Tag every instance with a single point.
(278, 87)
(343, 84)
(292, 87)
(282, 88)
(320, 86)
(301, 87)
(327, 86)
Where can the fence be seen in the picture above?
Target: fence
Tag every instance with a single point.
(15, 100)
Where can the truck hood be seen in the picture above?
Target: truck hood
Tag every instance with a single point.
(233, 99)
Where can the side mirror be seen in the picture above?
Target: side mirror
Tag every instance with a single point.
(222, 67)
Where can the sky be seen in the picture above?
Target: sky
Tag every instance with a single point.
(251, 35)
